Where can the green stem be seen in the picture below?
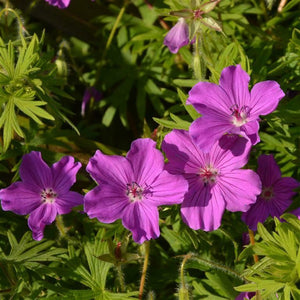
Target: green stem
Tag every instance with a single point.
(113, 31)
(121, 277)
(6, 10)
(197, 58)
(217, 266)
(183, 291)
(145, 267)
(60, 226)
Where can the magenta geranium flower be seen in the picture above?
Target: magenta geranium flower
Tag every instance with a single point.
(131, 188)
(178, 36)
(59, 3)
(215, 179)
(276, 195)
(230, 108)
(89, 93)
(43, 192)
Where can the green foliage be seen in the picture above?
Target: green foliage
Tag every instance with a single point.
(18, 85)
(279, 267)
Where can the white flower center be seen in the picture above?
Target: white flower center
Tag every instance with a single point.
(48, 195)
(134, 191)
(208, 175)
(239, 115)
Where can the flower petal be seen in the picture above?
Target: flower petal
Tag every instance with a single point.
(106, 203)
(230, 152)
(142, 220)
(34, 172)
(183, 155)
(64, 174)
(167, 189)
(203, 207)
(147, 162)
(110, 169)
(239, 189)
(178, 36)
(258, 212)
(235, 81)
(268, 170)
(65, 202)
(209, 95)
(19, 199)
(265, 97)
(205, 131)
(251, 129)
(39, 218)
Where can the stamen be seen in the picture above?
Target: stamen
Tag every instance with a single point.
(134, 191)
(48, 195)
(239, 115)
(208, 175)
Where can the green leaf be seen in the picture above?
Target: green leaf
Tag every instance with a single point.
(189, 108)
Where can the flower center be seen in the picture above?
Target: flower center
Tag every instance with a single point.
(208, 175)
(48, 195)
(134, 191)
(267, 193)
(239, 115)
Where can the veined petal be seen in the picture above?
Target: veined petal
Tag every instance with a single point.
(111, 169)
(211, 96)
(234, 81)
(65, 202)
(142, 220)
(265, 97)
(285, 186)
(147, 162)
(251, 129)
(230, 152)
(203, 207)
(167, 189)
(34, 172)
(258, 212)
(268, 170)
(184, 156)
(106, 203)
(64, 174)
(19, 199)
(205, 131)
(39, 218)
(239, 189)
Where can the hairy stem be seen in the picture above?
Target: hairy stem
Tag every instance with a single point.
(145, 267)
(183, 291)
(252, 242)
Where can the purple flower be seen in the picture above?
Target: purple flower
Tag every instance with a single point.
(130, 188)
(59, 3)
(245, 295)
(276, 195)
(230, 108)
(215, 180)
(89, 93)
(43, 192)
(178, 36)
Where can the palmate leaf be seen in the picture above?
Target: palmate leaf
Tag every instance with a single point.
(28, 250)
(17, 92)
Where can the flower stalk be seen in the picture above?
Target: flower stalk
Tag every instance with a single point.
(145, 267)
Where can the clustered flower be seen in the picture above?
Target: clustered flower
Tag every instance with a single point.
(204, 172)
